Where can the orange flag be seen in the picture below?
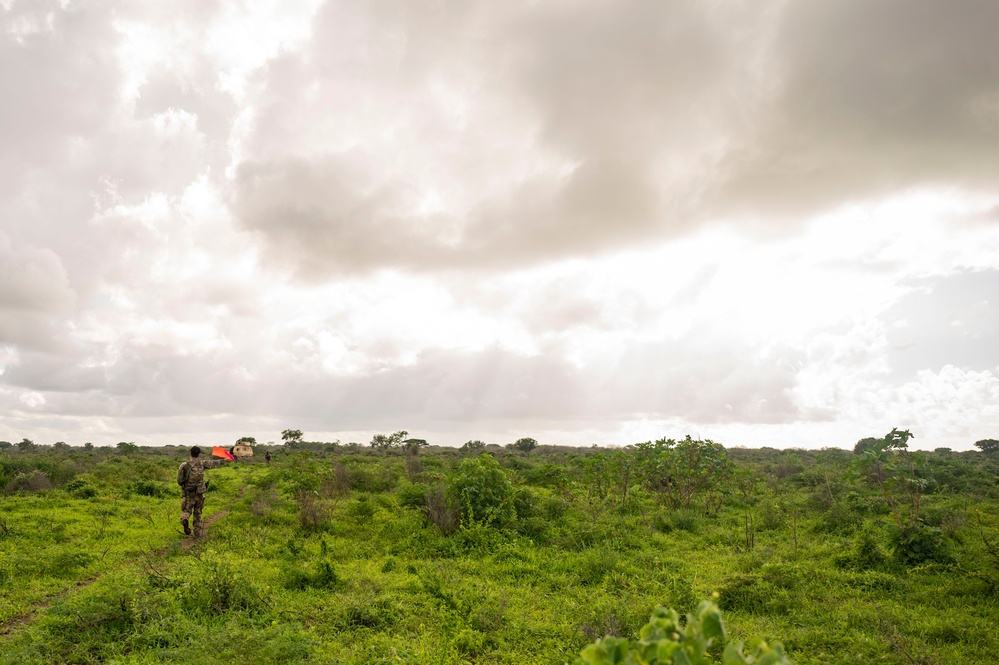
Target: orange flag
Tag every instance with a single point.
(219, 451)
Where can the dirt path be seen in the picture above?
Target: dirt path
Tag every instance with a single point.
(19, 621)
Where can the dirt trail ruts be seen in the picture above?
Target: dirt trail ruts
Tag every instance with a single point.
(19, 621)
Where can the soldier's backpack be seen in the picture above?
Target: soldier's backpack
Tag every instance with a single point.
(195, 475)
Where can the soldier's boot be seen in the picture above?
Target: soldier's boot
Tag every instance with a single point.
(199, 530)
(187, 528)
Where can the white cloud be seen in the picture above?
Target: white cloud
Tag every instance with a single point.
(592, 221)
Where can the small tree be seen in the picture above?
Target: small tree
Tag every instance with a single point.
(474, 446)
(88, 446)
(385, 442)
(291, 437)
(897, 473)
(60, 446)
(894, 470)
(6, 445)
(412, 446)
(865, 444)
(249, 440)
(25, 444)
(987, 445)
(676, 471)
(126, 447)
(524, 445)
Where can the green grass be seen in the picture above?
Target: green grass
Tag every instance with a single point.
(105, 579)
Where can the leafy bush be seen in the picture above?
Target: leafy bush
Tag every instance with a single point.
(919, 544)
(525, 503)
(865, 554)
(440, 511)
(36, 481)
(547, 475)
(772, 516)
(665, 639)
(552, 508)
(362, 510)
(80, 489)
(375, 481)
(413, 495)
(313, 512)
(482, 491)
(675, 471)
(836, 519)
(148, 488)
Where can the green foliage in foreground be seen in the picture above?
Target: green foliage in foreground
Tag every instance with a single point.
(666, 639)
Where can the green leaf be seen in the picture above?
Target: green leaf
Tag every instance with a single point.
(680, 657)
(733, 654)
(712, 625)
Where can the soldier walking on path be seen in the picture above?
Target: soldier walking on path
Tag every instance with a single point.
(191, 478)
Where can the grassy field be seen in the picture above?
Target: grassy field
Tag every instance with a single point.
(329, 556)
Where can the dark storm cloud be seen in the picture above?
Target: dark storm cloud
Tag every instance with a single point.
(320, 217)
(669, 115)
(611, 88)
(947, 321)
(873, 97)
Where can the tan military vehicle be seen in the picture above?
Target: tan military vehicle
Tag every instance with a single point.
(242, 449)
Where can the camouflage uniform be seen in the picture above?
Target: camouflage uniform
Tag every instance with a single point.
(191, 478)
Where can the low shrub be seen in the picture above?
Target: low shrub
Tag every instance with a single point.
(148, 488)
(322, 576)
(919, 544)
(65, 564)
(36, 481)
(215, 587)
(865, 553)
(80, 489)
(313, 512)
(772, 516)
(440, 511)
(596, 565)
(525, 503)
(837, 519)
(688, 520)
(376, 480)
(482, 492)
(413, 495)
(362, 510)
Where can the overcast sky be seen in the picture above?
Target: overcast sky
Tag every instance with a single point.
(764, 223)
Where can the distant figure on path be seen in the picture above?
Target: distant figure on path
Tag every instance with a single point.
(268, 457)
(191, 478)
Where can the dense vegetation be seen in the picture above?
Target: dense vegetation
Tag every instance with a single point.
(406, 553)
